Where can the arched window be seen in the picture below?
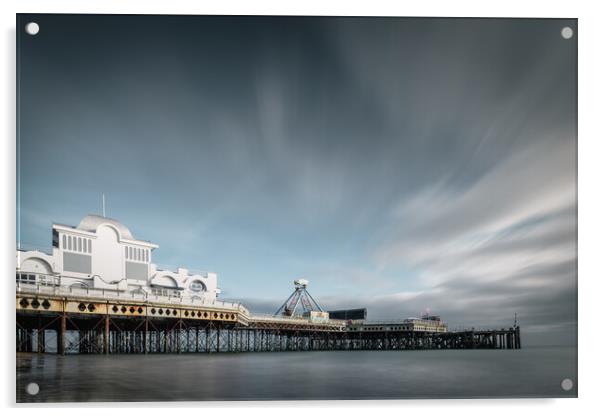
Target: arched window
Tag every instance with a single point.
(79, 244)
(69, 242)
(198, 286)
(64, 246)
(139, 291)
(78, 285)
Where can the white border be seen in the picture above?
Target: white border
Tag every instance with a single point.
(590, 186)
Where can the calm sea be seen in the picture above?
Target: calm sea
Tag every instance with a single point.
(530, 372)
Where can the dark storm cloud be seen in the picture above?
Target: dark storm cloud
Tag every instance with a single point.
(399, 164)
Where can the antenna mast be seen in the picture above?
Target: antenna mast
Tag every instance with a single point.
(104, 214)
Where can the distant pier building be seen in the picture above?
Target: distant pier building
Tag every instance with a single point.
(358, 314)
(427, 323)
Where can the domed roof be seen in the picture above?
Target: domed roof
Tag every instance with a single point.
(92, 222)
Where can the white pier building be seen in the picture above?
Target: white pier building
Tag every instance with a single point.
(102, 255)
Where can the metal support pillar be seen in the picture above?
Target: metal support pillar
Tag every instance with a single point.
(106, 334)
(145, 336)
(218, 336)
(179, 337)
(61, 334)
(207, 340)
(41, 340)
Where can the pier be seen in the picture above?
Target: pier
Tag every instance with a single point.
(97, 291)
(81, 321)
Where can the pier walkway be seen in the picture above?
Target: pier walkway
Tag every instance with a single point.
(55, 319)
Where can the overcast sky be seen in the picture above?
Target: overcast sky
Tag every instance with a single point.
(397, 164)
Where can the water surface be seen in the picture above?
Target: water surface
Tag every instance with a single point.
(530, 372)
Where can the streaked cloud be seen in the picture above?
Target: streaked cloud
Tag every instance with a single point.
(398, 164)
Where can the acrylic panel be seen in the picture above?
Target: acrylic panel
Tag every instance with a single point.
(295, 208)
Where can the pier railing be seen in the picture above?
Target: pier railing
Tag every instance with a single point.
(23, 287)
(294, 319)
(32, 247)
(174, 269)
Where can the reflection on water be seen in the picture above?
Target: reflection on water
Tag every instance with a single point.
(299, 375)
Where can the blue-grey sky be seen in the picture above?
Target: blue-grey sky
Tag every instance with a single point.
(397, 164)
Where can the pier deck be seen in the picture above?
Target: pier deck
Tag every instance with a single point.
(88, 322)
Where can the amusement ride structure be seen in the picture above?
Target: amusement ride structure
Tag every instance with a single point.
(299, 297)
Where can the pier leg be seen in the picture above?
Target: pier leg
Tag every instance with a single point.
(207, 340)
(29, 340)
(98, 344)
(179, 337)
(157, 336)
(61, 335)
(145, 336)
(187, 330)
(41, 341)
(106, 334)
(218, 337)
(40, 337)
